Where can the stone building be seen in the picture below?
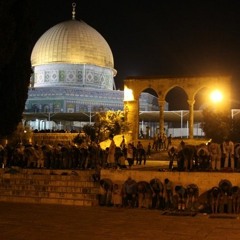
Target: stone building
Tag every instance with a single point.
(73, 72)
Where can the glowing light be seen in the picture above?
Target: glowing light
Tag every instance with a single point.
(216, 96)
(128, 94)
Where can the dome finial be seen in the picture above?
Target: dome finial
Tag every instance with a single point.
(73, 11)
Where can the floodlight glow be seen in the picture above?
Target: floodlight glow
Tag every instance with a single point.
(216, 96)
(128, 94)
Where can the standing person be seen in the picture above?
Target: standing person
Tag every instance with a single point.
(215, 154)
(139, 152)
(160, 142)
(40, 156)
(130, 156)
(154, 145)
(143, 157)
(164, 141)
(181, 146)
(237, 156)
(121, 161)
(102, 195)
(111, 153)
(203, 157)
(173, 154)
(149, 150)
(141, 134)
(117, 195)
(169, 141)
(228, 152)
(168, 193)
(123, 143)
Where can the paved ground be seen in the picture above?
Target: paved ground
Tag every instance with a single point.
(156, 162)
(53, 222)
(20, 221)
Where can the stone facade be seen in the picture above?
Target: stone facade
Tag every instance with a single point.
(190, 85)
(78, 75)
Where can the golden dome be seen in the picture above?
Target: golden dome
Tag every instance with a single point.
(72, 42)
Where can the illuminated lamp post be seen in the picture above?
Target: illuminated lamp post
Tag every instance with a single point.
(131, 112)
(220, 101)
(216, 96)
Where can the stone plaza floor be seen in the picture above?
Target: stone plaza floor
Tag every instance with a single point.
(20, 221)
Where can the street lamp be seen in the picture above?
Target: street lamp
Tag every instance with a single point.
(216, 96)
(217, 101)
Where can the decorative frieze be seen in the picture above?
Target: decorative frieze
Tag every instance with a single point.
(79, 75)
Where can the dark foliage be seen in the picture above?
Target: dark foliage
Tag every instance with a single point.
(235, 132)
(16, 24)
(218, 125)
(90, 131)
(79, 139)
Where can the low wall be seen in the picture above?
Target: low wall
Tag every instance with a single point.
(79, 188)
(42, 186)
(204, 180)
(53, 138)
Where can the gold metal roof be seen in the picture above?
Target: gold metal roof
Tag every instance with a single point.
(72, 42)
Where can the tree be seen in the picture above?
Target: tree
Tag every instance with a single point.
(15, 68)
(22, 135)
(110, 122)
(90, 131)
(217, 125)
(235, 132)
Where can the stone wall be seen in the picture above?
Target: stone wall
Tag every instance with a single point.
(43, 186)
(79, 187)
(53, 138)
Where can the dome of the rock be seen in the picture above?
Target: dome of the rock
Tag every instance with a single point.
(73, 42)
(72, 53)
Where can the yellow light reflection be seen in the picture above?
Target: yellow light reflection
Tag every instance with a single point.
(216, 96)
(128, 94)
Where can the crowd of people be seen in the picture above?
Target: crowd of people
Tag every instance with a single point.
(89, 155)
(206, 157)
(142, 194)
(165, 195)
(153, 194)
(60, 156)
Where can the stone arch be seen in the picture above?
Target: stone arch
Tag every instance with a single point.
(161, 86)
(175, 86)
(200, 97)
(45, 108)
(36, 108)
(147, 91)
(148, 128)
(178, 89)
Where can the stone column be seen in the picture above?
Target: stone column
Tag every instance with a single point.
(191, 117)
(131, 109)
(161, 116)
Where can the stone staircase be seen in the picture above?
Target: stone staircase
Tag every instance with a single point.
(49, 186)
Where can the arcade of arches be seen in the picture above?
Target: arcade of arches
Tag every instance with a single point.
(190, 85)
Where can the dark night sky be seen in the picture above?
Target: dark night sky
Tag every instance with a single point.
(159, 38)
